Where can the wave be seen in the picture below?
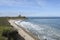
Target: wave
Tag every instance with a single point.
(43, 32)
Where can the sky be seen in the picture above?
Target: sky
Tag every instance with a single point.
(36, 8)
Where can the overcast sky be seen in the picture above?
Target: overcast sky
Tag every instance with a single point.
(42, 8)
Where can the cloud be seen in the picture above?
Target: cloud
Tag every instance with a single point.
(41, 3)
(24, 3)
(15, 2)
(9, 2)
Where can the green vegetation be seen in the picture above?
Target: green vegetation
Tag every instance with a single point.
(4, 25)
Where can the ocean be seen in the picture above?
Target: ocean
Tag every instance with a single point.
(44, 28)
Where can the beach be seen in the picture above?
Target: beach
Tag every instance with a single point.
(26, 35)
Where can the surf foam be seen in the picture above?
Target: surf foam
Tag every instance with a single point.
(43, 32)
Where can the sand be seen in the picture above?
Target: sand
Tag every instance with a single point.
(26, 35)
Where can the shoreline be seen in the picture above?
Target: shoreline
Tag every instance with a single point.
(22, 31)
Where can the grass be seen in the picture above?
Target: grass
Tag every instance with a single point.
(4, 25)
(3, 28)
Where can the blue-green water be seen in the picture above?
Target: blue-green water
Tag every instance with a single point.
(43, 28)
(50, 22)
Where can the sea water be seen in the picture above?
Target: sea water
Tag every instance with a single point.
(44, 29)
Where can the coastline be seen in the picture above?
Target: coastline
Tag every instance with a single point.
(25, 34)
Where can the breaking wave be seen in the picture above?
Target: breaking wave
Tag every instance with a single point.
(43, 32)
